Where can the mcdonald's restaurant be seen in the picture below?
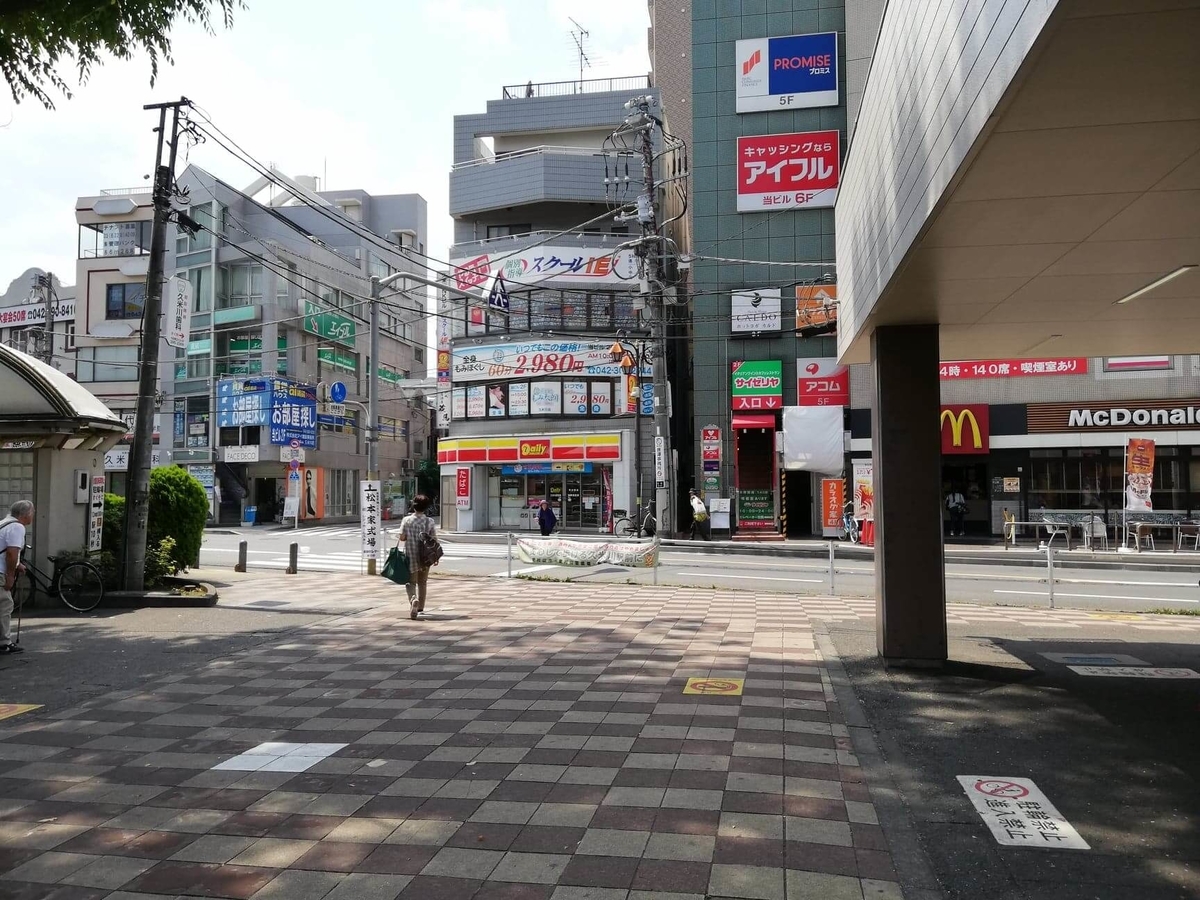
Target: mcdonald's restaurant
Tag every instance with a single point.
(1032, 459)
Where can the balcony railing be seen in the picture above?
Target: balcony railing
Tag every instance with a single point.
(517, 241)
(528, 151)
(122, 192)
(566, 88)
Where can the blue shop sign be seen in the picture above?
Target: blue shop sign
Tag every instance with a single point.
(242, 401)
(799, 71)
(293, 413)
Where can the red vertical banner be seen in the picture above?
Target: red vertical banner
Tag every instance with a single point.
(1139, 474)
(462, 488)
(833, 498)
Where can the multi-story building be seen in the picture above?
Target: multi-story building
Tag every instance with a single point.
(279, 294)
(539, 409)
(25, 326)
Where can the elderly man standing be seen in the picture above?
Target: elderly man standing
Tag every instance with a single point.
(12, 542)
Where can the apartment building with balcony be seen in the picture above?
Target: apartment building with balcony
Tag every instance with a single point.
(538, 407)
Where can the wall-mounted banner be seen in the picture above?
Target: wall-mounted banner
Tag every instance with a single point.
(548, 267)
(243, 401)
(822, 382)
(957, 370)
(814, 439)
(757, 384)
(782, 171)
(755, 310)
(534, 358)
(794, 72)
(462, 487)
(1139, 474)
(558, 552)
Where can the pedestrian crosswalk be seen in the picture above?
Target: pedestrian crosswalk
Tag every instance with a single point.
(352, 529)
(354, 561)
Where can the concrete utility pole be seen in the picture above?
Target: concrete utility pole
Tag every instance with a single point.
(137, 489)
(45, 286)
(650, 252)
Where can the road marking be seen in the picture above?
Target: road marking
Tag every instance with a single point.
(1018, 814)
(1100, 659)
(1095, 596)
(726, 687)
(1134, 672)
(744, 577)
(524, 571)
(8, 710)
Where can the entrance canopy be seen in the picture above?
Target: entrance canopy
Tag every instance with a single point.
(1019, 173)
(42, 407)
(754, 420)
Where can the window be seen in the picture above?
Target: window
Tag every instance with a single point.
(197, 425)
(341, 490)
(496, 231)
(69, 336)
(548, 310)
(239, 286)
(419, 353)
(571, 397)
(282, 284)
(117, 363)
(114, 239)
(202, 239)
(125, 301)
(202, 287)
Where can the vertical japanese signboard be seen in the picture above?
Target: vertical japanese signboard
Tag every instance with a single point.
(462, 488)
(757, 384)
(1139, 474)
(788, 171)
(833, 498)
(369, 495)
(710, 456)
(293, 413)
(660, 461)
(96, 514)
(179, 312)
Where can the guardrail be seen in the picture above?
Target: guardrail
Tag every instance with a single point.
(566, 88)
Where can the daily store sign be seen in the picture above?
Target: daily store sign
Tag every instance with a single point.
(532, 448)
(1151, 415)
(533, 359)
(757, 384)
(782, 171)
(794, 72)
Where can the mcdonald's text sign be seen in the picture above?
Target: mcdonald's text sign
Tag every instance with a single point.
(964, 428)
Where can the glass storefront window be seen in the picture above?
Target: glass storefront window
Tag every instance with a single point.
(578, 499)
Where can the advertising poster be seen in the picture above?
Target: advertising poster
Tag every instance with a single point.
(497, 399)
(788, 171)
(534, 359)
(518, 399)
(1139, 474)
(833, 498)
(822, 382)
(575, 398)
(601, 399)
(458, 404)
(546, 399)
(293, 413)
(756, 508)
(864, 490)
(312, 492)
(476, 401)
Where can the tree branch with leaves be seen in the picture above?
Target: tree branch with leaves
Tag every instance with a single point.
(36, 36)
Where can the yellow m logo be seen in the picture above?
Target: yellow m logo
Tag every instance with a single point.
(956, 427)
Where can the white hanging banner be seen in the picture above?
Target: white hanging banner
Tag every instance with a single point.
(813, 439)
(370, 507)
(178, 312)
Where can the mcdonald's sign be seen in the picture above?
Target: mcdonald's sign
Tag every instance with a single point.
(965, 428)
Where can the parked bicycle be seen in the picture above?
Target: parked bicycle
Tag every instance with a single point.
(850, 525)
(639, 525)
(77, 583)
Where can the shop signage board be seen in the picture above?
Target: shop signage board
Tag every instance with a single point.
(548, 266)
(604, 447)
(833, 498)
(291, 454)
(757, 384)
(816, 307)
(96, 514)
(178, 318)
(756, 508)
(1123, 415)
(711, 482)
(755, 310)
(244, 454)
(799, 71)
(1018, 814)
(799, 170)
(462, 487)
(370, 505)
(35, 313)
(521, 359)
(117, 459)
(243, 402)
(864, 489)
(1139, 474)
(963, 369)
(965, 429)
(327, 324)
(293, 413)
(545, 468)
(822, 382)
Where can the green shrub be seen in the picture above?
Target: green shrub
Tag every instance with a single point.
(114, 519)
(178, 510)
(160, 561)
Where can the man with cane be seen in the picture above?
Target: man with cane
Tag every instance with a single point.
(12, 542)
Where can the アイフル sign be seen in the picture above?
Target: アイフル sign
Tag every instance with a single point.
(781, 171)
(757, 384)
(329, 325)
(794, 72)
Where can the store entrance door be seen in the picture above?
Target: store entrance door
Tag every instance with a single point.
(970, 480)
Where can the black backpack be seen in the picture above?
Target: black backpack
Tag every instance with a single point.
(429, 549)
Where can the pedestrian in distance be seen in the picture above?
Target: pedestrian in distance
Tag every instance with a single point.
(418, 536)
(546, 519)
(12, 542)
(956, 505)
(700, 523)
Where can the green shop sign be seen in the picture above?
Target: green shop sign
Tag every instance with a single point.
(331, 357)
(757, 384)
(390, 376)
(329, 325)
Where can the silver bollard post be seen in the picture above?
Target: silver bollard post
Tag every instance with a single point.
(510, 555)
(293, 559)
(832, 571)
(1050, 572)
(243, 550)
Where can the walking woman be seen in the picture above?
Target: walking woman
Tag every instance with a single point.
(413, 529)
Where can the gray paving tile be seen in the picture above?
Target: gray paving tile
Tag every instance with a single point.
(369, 887)
(589, 775)
(634, 796)
(530, 868)
(362, 830)
(274, 853)
(750, 882)
(50, 868)
(458, 862)
(754, 783)
(109, 872)
(431, 832)
(298, 885)
(529, 772)
(689, 847)
(818, 831)
(881, 890)
(213, 848)
(861, 813)
(688, 798)
(813, 787)
(504, 811)
(569, 892)
(804, 885)
(613, 842)
(571, 815)
(750, 825)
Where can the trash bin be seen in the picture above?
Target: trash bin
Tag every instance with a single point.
(250, 515)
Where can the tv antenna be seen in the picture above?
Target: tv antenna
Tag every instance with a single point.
(580, 36)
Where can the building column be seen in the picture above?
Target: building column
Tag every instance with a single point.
(910, 583)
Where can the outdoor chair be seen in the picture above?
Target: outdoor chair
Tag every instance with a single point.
(1141, 531)
(1096, 529)
(1189, 531)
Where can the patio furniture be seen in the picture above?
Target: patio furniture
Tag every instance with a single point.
(1095, 529)
(1188, 531)
(1141, 531)
(1054, 528)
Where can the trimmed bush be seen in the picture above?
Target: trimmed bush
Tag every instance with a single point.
(178, 510)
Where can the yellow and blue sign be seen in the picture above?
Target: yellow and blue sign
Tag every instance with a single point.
(799, 71)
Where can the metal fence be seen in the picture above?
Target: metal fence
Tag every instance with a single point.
(566, 88)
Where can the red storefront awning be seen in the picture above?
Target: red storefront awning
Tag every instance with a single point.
(754, 420)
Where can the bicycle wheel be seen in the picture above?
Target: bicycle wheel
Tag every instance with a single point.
(23, 591)
(80, 586)
(625, 526)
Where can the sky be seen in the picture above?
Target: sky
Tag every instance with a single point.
(364, 90)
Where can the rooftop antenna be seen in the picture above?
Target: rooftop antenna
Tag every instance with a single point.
(579, 37)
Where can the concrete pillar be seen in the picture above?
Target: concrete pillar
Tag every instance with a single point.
(910, 581)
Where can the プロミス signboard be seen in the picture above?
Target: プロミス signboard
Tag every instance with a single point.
(798, 71)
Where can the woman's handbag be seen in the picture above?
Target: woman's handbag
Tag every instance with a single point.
(396, 568)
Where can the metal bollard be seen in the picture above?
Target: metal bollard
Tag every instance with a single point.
(293, 559)
(243, 551)
(832, 571)
(1050, 572)
(510, 555)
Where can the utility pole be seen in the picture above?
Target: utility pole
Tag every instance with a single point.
(650, 252)
(45, 286)
(137, 489)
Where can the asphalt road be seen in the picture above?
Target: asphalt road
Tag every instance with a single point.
(1131, 588)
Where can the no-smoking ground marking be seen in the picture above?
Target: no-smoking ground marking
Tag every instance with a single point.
(1002, 789)
(725, 687)
(8, 710)
(1019, 814)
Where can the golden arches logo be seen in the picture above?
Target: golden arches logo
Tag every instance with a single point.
(956, 427)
